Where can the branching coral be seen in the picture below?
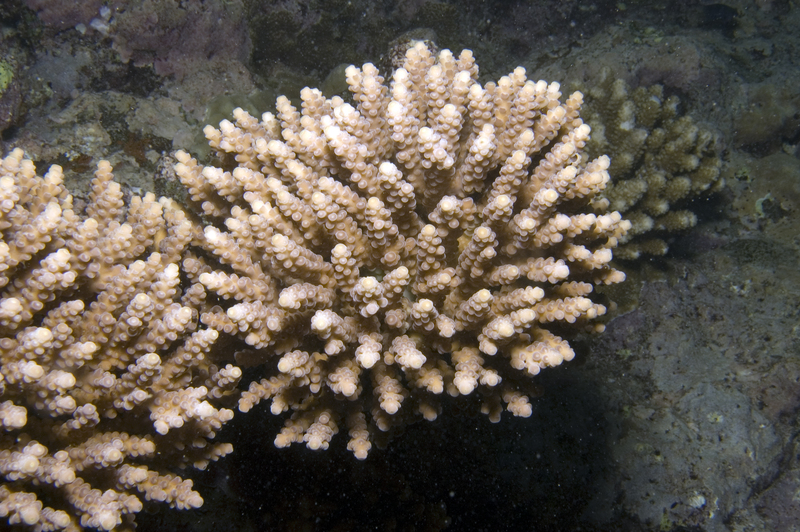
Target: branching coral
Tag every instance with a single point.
(431, 236)
(103, 382)
(365, 259)
(660, 161)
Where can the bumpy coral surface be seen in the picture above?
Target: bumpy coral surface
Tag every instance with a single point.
(103, 381)
(426, 237)
(660, 161)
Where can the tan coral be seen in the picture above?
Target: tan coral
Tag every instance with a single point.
(434, 234)
(100, 361)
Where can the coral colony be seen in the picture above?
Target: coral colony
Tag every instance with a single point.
(432, 238)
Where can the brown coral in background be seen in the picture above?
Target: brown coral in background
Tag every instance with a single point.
(660, 161)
